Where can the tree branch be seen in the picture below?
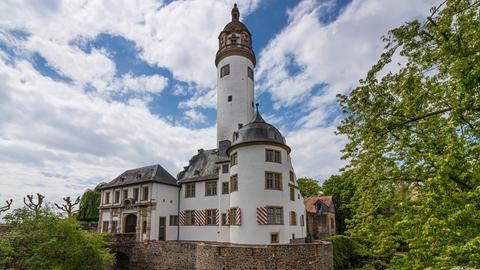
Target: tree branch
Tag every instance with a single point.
(31, 204)
(68, 206)
(6, 207)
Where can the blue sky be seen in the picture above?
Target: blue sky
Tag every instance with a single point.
(89, 89)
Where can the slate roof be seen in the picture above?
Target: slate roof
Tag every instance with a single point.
(311, 203)
(258, 130)
(152, 173)
(202, 166)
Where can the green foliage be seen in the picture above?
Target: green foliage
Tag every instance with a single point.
(342, 190)
(89, 203)
(308, 187)
(414, 147)
(45, 241)
(345, 254)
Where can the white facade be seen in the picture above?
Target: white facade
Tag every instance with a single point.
(234, 96)
(161, 201)
(254, 209)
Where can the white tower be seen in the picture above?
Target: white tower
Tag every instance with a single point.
(235, 61)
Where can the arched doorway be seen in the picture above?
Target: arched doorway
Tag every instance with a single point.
(131, 223)
(122, 261)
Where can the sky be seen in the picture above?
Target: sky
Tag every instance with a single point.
(89, 89)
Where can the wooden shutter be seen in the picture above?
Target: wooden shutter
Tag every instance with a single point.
(181, 218)
(200, 217)
(238, 217)
(262, 216)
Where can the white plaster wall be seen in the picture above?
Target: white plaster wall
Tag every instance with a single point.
(240, 87)
(199, 202)
(224, 235)
(251, 194)
(166, 199)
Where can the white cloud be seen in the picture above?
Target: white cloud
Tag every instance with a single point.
(337, 54)
(58, 140)
(140, 84)
(195, 117)
(94, 68)
(316, 152)
(180, 36)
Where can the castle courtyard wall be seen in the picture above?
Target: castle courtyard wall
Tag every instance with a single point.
(153, 255)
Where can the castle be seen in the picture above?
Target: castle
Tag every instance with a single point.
(242, 192)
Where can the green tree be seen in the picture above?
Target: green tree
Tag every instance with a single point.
(308, 187)
(42, 240)
(89, 204)
(342, 190)
(414, 144)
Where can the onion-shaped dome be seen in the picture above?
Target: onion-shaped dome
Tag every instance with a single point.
(258, 131)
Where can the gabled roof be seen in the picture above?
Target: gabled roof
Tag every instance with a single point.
(202, 166)
(311, 203)
(152, 173)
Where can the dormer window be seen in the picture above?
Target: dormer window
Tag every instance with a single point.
(196, 172)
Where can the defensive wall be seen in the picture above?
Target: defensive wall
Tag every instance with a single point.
(201, 255)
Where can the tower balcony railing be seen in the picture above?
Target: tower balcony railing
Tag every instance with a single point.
(236, 45)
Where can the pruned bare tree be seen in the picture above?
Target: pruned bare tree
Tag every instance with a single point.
(31, 204)
(6, 207)
(68, 206)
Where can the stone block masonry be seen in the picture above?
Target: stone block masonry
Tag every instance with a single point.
(200, 255)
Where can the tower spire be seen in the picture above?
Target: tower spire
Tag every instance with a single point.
(235, 13)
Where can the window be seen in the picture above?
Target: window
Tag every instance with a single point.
(274, 215)
(293, 218)
(189, 190)
(273, 180)
(107, 198)
(332, 223)
(190, 217)
(135, 194)
(116, 197)
(229, 98)
(292, 177)
(211, 188)
(225, 70)
(211, 216)
(144, 227)
(225, 168)
(292, 193)
(293, 236)
(302, 221)
(234, 213)
(125, 194)
(273, 156)
(234, 183)
(274, 238)
(233, 159)
(145, 194)
(105, 226)
(224, 219)
(173, 220)
(250, 73)
(114, 226)
(225, 188)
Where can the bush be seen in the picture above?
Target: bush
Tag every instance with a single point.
(45, 241)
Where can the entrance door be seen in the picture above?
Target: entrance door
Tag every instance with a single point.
(162, 228)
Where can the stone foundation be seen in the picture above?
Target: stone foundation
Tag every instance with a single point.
(196, 255)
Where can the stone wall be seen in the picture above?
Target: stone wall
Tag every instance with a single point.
(197, 255)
